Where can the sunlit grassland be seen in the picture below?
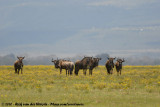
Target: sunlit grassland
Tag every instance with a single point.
(137, 86)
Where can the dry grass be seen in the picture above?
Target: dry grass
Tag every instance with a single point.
(137, 86)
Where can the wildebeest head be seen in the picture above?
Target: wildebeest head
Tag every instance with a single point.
(20, 58)
(56, 63)
(120, 61)
(87, 60)
(96, 61)
(110, 60)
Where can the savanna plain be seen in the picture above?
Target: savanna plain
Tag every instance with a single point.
(138, 86)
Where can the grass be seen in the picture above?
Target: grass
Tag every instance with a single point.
(137, 86)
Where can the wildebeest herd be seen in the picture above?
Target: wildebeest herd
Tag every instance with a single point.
(84, 64)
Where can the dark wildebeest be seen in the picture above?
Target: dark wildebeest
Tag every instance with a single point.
(110, 65)
(64, 64)
(119, 65)
(94, 63)
(18, 65)
(82, 64)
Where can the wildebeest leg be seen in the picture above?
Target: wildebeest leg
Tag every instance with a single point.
(60, 70)
(15, 70)
(84, 71)
(18, 71)
(70, 71)
(76, 70)
(66, 72)
(120, 71)
(90, 71)
(108, 71)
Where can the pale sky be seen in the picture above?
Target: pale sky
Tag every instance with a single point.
(71, 27)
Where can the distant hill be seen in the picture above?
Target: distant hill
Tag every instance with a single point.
(46, 60)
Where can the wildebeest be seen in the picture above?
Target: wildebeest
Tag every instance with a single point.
(110, 65)
(64, 64)
(119, 66)
(18, 65)
(56, 63)
(82, 64)
(94, 63)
